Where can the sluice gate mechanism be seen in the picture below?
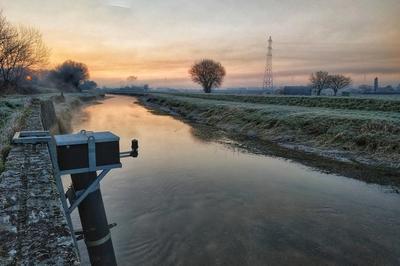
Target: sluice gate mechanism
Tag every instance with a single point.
(86, 156)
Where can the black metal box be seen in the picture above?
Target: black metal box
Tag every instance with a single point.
(73, 151)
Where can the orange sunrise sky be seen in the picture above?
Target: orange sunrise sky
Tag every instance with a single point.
(157, 41)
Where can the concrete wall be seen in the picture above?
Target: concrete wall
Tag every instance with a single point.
(33, 227)
(48, 116)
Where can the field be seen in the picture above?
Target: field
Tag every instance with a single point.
(389, 103)
(362, 131)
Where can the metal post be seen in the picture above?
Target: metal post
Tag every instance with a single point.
(94, 222)
(56, 172)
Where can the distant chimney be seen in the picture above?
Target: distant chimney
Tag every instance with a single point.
(376, 84)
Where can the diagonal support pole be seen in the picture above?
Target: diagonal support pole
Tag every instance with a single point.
(92, 187)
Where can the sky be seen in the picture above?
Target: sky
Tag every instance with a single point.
(158, 40)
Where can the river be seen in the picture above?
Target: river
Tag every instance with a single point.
(189, 201)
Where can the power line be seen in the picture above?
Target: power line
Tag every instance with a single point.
(268, 82)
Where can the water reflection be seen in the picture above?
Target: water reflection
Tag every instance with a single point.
(187, 201)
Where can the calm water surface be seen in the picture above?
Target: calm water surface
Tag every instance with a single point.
(186, 201)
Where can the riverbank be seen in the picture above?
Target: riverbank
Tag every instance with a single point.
(355, 138)
(15, 109)
(33, 226)
(68, 105)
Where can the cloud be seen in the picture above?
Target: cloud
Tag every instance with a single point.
(119, 3)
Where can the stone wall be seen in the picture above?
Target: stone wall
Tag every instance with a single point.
(33, 227)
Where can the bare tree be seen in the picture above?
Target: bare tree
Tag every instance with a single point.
(338, 82)
(70, 74)
(319, 81)
(7, 46)
(130, 80)
(208, 73)
(22, 50)
(5, 30)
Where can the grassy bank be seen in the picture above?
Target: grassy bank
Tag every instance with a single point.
(384, 104)
(13, 112)
(66, 106)
(359, 136)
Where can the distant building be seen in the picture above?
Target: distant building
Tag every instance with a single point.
(376, 84)
(387, 89)
(365, 88)
(296, 90)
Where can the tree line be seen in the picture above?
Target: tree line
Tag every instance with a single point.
(210, 74)
(23, 57)
(321, 80)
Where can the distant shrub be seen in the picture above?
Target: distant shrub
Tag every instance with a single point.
(88, 85)
(70, 75)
